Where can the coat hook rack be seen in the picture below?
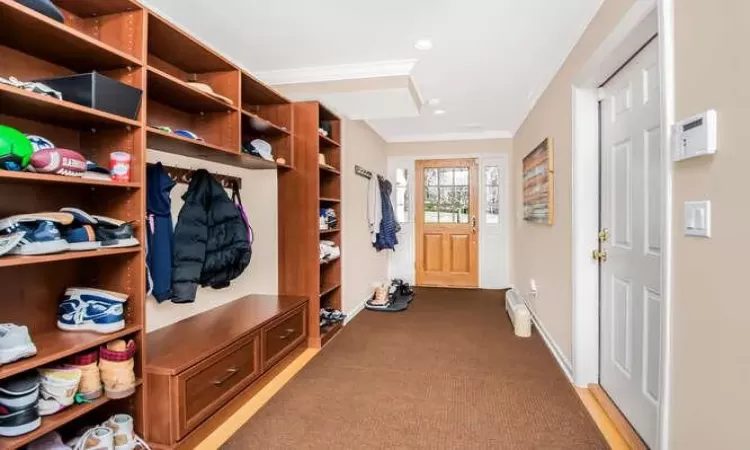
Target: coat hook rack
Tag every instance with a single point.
(362, 172)
(182, 175)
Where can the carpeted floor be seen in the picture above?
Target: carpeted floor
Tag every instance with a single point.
(446, 374)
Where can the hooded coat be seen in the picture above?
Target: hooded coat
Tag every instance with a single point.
(159, 232)
(211, 245)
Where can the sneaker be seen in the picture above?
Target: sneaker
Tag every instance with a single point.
(113, 233)
(86, 309)
(58, 389)
(80, 235)
(19, 396)
(124, 434)
(41, 234)
(15, 343)
(50, 441)
(90, 387)
(117, 368)
(97, 438)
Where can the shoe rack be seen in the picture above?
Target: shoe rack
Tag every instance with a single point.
(125, 41)
(311, 186)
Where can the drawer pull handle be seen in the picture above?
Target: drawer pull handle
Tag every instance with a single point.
(289, 332)
(230, 373)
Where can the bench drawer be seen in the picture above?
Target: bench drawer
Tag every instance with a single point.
(208, 385)
(282, 336)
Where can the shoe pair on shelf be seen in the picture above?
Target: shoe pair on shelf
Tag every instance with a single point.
(24, 398)
(70, 229)
(117, 433)
(330, 316)
(89, 309)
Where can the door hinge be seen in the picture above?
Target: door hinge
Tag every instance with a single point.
(603, 235)
(599, 255)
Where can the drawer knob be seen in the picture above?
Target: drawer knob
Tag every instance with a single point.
(230, 374)
(289, 332)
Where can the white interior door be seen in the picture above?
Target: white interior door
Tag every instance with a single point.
(631, 205)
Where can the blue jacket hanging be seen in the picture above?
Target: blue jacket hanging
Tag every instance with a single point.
(159, 232)
(386, 238)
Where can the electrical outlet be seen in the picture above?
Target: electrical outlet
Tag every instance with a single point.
(533, 285)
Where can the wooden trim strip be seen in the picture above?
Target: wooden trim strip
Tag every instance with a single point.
(618, 419)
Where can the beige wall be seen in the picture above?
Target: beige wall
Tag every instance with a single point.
(450, 147)
(711, 364)
(261, 276)
(362, 265)
(544, 252)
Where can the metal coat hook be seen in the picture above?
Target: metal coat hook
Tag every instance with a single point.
(182, 175)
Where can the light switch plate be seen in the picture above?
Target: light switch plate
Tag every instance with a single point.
(698, 219)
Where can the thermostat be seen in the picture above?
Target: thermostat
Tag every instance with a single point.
(696, 136)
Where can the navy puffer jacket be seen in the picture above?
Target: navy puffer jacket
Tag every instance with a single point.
(211, 245)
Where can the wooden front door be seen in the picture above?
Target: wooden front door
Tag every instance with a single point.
(446, 223)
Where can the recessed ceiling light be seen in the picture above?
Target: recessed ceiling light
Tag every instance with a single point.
(439, 112)
(423, 44)
(433, 101)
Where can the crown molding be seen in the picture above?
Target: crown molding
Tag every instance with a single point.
(336, 73)
(469, 136)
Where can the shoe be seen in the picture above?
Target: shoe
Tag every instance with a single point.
(41, 235)
(97, 438)
(90, 387)
(50, 441)
(86, 309)
(116, 366)
(113, 233)
(58, 389)
(15, 343)
(125, 437)
(80, 235)
(19, 397)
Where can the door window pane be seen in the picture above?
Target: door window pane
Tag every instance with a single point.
(447, 204)
(461, 177)
(446, 177)
(431, 205)
(402, 195)
(462, 205)
(431, 177)
(492, 194)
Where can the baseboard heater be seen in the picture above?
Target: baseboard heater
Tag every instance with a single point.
(519, 314)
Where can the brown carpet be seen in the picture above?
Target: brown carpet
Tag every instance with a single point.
(446, 374)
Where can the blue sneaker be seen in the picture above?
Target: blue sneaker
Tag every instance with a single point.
(41, 234)
(86, 309)
(80, 235)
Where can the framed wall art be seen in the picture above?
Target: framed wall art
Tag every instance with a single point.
(539, 184)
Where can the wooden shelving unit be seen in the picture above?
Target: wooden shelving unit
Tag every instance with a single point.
(129, 43)
(31, 47)
(311, 187)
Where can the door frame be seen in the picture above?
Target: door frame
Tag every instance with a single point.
(645, 19)
(401, 264)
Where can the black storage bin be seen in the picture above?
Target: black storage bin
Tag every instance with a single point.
(99, 92)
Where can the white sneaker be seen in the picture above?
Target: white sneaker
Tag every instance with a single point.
(98, 438)
(58, 389)
(124, 434)
(15, 343)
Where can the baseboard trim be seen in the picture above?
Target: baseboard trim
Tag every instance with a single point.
(618, 419)
(551, 344)
(350, 315)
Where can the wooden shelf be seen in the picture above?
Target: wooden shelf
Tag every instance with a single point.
(28, 105)
(329, 200)
(7, 176)
(164, 88)
(327, 333)
(263, 126)
(326, 142)
(284, 166)
(97, 9)
(16, 260)
(179, 145)
(255, 92)
(330, 169)
(55, 421)
(327, 290)
(57, 43)
(333, 230)
(57, 344)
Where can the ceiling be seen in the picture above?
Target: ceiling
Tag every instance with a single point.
(490, 61)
